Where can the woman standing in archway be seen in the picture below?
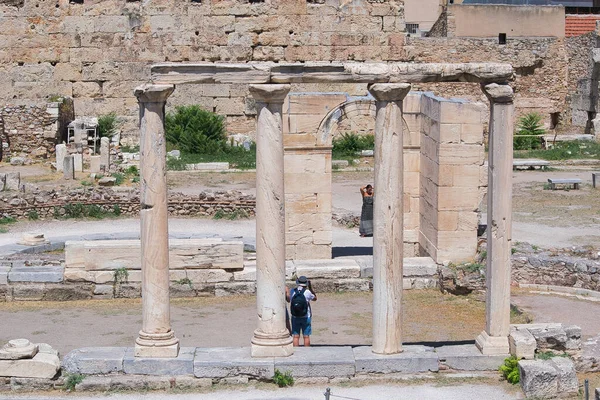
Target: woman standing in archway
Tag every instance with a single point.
(366, 215)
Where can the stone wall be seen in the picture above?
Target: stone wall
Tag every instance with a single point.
(30, 130)
(57, 204)
(582, 98)
(97, 52)
(541, 65)
(452, 176)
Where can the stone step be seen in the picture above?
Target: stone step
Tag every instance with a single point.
(42, 274)
(412, 267)
(317, 361)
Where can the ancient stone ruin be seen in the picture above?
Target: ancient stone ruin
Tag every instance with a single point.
(389, 84)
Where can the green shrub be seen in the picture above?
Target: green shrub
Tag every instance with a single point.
(510, 370)
(121, 275)
(7, 220)
(33, 215)
(576, 149)
(546, 355)
(195, 130)
(283, 380)
(349, 144)
(120, 178)
(72, 380)
(107, 125)
(529, 129)
(117, 210)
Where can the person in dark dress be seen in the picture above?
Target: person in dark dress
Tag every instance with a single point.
(366, 215)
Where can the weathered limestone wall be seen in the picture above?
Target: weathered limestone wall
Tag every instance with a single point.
(583, 98)
(30, 129)
(97, 52)
(451, 174)
(488, 20)
(541, 65)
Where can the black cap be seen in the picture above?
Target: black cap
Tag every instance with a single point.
(302, 281)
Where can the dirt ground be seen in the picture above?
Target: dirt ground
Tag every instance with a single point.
(339, 319)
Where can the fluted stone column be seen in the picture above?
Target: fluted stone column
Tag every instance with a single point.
(156, 339)
(388, 217)
(494, 340)
(271, 337)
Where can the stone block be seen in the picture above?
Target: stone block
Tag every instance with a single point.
(247, 274)
(330, 269)
(36, 274)
(209, 275)
(95, 164)
(61, 152)
(78, 162)
(318, 361)
(213, 166)
(183, 364)
(103, 290)
(4, 275)
(68, 168)
(555, 336)
(589, 359)
(95, 360)
(468, 358)
(522, 344)
(42, 365)
(339, 164)
(548, 378)
(219, 362)
(12, 181)
(413, 359)
(419, 266)
(183, 254)
(234, 288)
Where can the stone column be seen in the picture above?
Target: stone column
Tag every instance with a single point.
(271, 338)
(156, 339)
(494, 340)
(388, 217)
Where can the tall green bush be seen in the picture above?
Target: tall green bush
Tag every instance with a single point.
(528, 127)
(107, 125)
(195, 130)
(349, 144)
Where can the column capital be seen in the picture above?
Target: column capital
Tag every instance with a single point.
(149, 93)
(498, 93)
(269, 93)
(389, 91)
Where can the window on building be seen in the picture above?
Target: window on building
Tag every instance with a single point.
(412, 28)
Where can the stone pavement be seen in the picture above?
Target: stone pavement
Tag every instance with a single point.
(388, 391)
(314, 362)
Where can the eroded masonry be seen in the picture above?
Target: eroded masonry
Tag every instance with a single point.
(389, 84)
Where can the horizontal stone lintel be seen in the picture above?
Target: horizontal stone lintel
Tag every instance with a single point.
(349, 72)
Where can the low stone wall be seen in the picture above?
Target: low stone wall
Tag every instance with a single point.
(126, 201)
(577, 268)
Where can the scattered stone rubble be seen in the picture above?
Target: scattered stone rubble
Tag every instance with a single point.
(22, 359)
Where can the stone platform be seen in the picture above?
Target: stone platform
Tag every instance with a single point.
(314, 362)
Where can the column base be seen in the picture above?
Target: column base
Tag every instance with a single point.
(272, 345)
(156, 345)
(492, 345)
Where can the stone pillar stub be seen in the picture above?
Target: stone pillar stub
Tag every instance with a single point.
(271, 337)
(105, 153)
(494, 340)
(68, 167)
(61, 152)
(156, 339)
(388, 219)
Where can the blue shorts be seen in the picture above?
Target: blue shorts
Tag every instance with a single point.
(301, 325)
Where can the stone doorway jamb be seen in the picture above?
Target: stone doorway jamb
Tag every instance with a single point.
(494, 339)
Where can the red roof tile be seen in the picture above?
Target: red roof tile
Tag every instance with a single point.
(576, 25)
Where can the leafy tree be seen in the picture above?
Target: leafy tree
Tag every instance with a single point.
(107, 125)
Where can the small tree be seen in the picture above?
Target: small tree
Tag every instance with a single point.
(107, 125)
(529, 125)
